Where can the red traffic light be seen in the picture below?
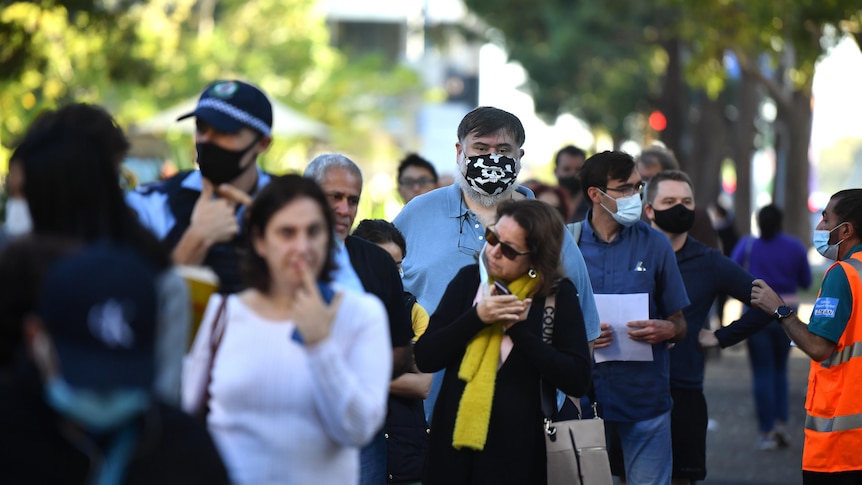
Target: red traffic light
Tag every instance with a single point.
(657, 121)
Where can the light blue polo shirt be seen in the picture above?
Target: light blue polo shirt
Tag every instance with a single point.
(639, 260)
(833, 306)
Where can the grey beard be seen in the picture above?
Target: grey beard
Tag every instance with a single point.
(482, 199)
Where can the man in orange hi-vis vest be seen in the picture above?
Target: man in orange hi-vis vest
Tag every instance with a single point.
(833, 340)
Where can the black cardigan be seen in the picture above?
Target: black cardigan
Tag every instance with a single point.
(515, 448)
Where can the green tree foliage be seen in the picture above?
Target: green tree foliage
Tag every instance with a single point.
(139, 57)
(606, 61)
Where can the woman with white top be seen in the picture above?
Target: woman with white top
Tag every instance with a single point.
(301, 370)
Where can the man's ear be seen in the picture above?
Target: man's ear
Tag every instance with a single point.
(648, 210)
(521, 153)
(263, 144)
(849, 231)
(458, 149)
(595, 194)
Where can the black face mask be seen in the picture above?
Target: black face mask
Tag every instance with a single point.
(571, 183)
(220, 165)
(676, 220)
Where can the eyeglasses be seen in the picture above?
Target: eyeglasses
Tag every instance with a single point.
(421, 182)
(508, 251)
(627, 190)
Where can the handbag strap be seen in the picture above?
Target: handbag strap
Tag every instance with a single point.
(549, 393)
(218, 328)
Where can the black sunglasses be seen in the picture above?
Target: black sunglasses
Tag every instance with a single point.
(508, 251)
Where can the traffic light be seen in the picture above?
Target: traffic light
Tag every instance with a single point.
(657, 121)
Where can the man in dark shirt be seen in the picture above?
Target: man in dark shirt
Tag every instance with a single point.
(705, 273)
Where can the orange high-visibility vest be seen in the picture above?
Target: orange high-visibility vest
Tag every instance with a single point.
(833, 425)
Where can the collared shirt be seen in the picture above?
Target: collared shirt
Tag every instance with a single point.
(638, 260)
(151, 202)
(834, 305)
(344, 273)
(443, 236)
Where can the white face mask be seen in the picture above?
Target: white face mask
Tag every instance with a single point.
(18, 220)
(820, 240)
(628, 209)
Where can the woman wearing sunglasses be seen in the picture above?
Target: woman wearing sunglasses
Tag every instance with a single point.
(487, 334)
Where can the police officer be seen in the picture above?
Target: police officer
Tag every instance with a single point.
(198, 213)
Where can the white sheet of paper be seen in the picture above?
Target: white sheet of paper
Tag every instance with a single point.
(618, 310)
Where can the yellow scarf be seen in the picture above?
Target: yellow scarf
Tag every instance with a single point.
(479, 370)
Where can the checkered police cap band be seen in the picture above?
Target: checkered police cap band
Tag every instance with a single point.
(230, 110)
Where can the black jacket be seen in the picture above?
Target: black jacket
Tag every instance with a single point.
(515, 448)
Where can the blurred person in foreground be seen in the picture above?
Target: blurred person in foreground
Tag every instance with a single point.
(82, 410)
(416, 176)
(294, 370)
(406, 429)
(832, 337)
(670, 209)
(70, 163)
(487, 332)
(782, 261)
(198, 214)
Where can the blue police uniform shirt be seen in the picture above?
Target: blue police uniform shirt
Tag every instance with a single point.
(638, 260)
(154, 212)
(833, 306)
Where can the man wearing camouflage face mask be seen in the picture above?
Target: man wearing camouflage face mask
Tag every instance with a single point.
(445, 228)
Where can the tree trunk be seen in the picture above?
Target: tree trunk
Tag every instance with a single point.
(674, 100)
(796, 116)
(709, 148)
(742, 145)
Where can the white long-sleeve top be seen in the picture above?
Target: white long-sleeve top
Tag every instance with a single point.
(282, 412)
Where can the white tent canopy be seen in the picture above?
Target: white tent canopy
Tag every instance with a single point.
(286, 121)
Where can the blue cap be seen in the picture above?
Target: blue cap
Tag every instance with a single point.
(230, 106)
(99, 306)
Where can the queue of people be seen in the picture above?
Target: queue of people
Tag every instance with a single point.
(405, 352)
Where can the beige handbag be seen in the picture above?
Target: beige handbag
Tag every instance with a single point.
(576, 448)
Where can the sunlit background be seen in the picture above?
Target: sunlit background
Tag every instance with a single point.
(378, 79)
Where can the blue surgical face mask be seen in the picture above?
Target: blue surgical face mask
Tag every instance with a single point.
(628, 209)
(820, 240)
(96, 411)
(18, 219)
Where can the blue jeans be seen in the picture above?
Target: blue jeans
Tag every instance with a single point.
(646, 449)
(768, 351)
(372, 461)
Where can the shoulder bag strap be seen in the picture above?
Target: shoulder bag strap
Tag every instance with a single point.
(218, 328)
(549, 395)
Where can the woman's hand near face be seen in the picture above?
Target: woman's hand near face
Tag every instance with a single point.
(505, 309)
(312, 315)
